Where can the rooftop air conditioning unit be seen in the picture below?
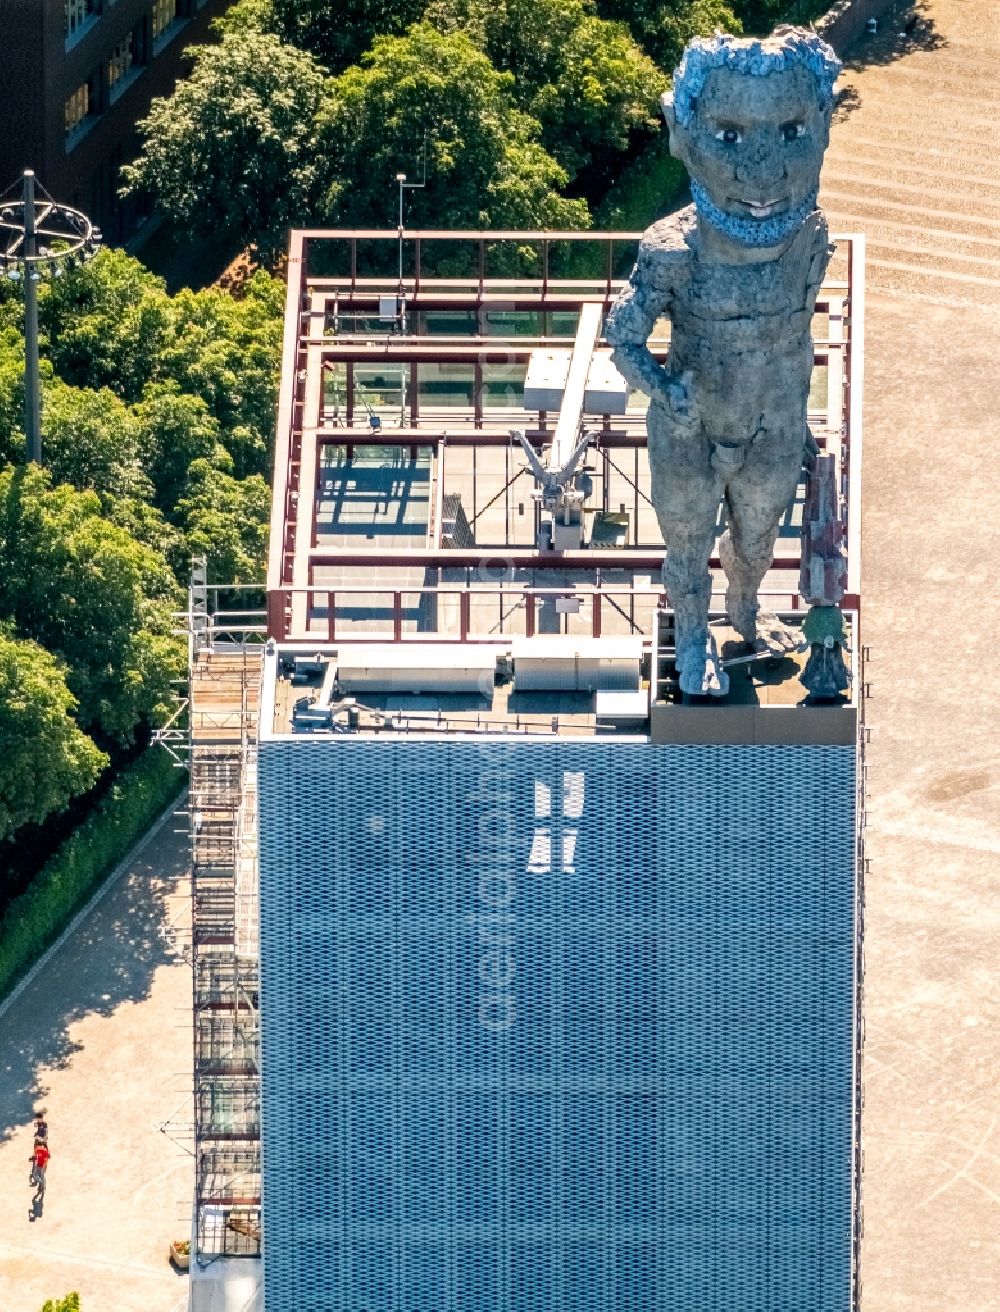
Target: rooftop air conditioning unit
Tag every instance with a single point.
(570, 664)
(416, 667)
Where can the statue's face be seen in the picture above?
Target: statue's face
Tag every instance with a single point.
(755, 143)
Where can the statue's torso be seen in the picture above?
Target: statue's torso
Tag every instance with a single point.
(743, 330)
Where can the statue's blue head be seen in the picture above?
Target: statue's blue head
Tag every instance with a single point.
(751, 120)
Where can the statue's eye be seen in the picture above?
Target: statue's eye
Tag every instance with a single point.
(728, 136)
(792, 131)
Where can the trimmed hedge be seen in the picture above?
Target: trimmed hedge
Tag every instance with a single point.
(35, 919)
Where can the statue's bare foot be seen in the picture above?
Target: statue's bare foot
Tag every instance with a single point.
(775, 638)
(762, 630)
(700, 670)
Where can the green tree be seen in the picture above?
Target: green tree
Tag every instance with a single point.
(146, 524)
(88, 592)
(760, 16)
(247, 16)
(230, 152)
(228, 352)
(485, 164)
(606, 90)
(584, 79)
(206, 344)
(174, 429)
(45, 759)
(338, 32)
(90, 439)
(11, 394)
(71, 1303)
(226, 520)
(664, 27)
(106, 324)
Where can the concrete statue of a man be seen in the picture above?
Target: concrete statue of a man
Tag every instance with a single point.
(737, 274)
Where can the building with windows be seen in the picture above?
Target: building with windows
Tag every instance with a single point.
(78, 75)
(521, 980)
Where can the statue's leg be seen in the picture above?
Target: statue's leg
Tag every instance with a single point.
(687, 492)
(757, 496)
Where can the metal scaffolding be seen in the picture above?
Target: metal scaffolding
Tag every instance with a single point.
(222, 712)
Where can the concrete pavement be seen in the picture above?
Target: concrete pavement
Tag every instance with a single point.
(915, 164)
(914, 158)
(932, 1005)
(102, 1039)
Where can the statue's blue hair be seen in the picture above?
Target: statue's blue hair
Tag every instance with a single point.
(785, 48)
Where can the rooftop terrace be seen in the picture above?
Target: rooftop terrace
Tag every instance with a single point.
(406, 511)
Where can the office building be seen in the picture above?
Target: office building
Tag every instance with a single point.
(78, 75)
(559, 971)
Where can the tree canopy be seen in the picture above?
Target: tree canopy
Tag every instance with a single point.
(45, 759)
(176, 428)
(584, 79)
(338, 32)
(157, 418)
(11, 393)
(225, 519)
(231, 150)
(92, 595)
(105, 324)
(111, 325)
(69, 1303)
(228, 352)
(91, 440)
(664, 27)
(485, 164)
(262, 136)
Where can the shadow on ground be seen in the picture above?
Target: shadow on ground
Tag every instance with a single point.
(903, 30)
(108, 961)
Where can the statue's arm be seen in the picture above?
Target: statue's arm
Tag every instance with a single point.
(811, 251)
(823, 250)
(629, 324)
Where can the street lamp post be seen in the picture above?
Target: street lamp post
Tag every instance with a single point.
(401, 179)
(408, 186)
(32, 382)
(25, 223)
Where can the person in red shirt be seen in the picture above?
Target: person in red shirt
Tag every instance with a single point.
(39, 1161)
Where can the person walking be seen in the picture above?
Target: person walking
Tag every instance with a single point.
(39, 1162)
(41, 1126)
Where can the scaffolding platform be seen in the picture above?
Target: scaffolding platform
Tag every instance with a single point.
(224, 699)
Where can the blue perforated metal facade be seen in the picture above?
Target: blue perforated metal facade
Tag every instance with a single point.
(556, 1027)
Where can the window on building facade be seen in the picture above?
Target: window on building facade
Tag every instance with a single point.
(76, 13)
(165, 12)
(80, 106)
(120, 63)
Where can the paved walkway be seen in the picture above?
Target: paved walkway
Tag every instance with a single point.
(102, 1040)
(914, 159)
(915, 163)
